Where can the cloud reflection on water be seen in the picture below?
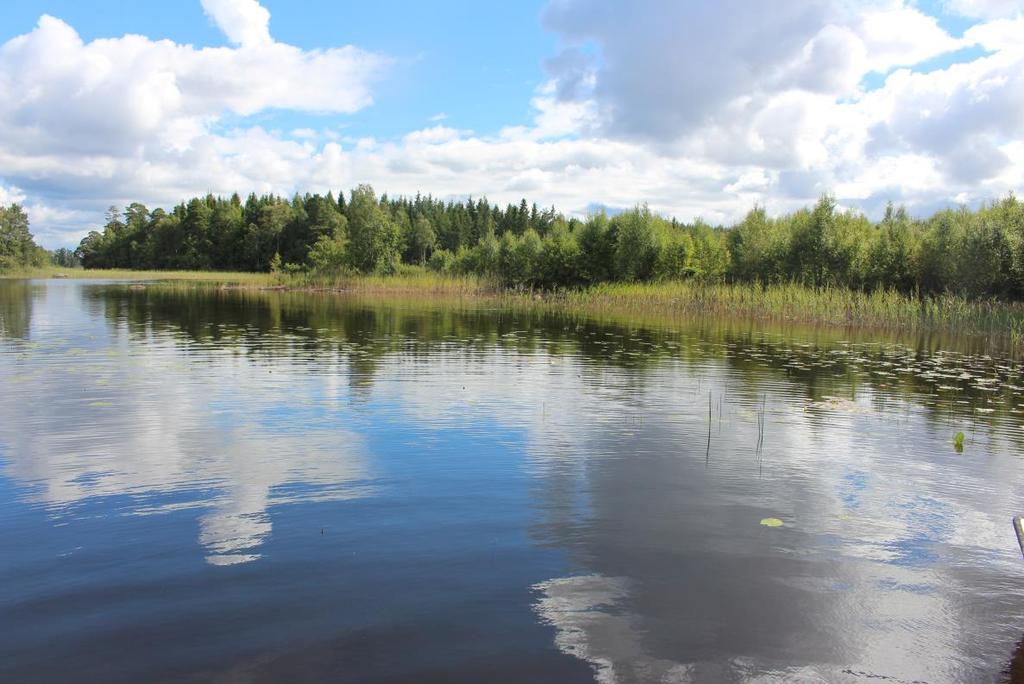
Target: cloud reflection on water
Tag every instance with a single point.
(891, 551)
(170, 432)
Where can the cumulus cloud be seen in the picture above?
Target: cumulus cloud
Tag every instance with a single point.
(962, 116)
(78, 117)
(111, 96)
(784, 91)
(667, 69)
(998, 35)
(244, 22)
(699, 109)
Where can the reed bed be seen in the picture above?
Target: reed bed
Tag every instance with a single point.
(832, 306)
(409, 281)
(222, 277)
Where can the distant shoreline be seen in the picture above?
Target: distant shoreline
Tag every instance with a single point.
(840, 307)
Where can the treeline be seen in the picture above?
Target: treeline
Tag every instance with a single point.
(17, 248)
(973, 253)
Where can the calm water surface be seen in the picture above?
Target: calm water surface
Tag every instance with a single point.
(202, 485)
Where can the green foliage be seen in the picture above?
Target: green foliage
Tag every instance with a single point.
(328, 255)
(759, 247)
(636, 248)
(424, 238)
(710, 253)
(292, 269)
(958, 442)
(894, 253)
(519, 259)
(970, 254)
(64, 258)
(441, 261)
(597, 240)
(558, 261)
(488, 258)
(674, 260)
(374, 238)
(17, 248)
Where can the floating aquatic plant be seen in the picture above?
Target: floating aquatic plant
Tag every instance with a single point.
(958, 442)
(771, 522)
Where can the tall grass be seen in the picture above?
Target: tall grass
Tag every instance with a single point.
(222, 277)
(409, 280)
(883, 309)
(834, 306)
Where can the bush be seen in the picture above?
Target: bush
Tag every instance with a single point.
(328, 256)
(441, 261)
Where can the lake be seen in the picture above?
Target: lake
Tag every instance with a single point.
(200, 484)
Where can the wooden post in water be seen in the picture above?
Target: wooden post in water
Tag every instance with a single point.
(1018, 527)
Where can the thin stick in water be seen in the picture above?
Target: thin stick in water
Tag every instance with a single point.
(707, 454)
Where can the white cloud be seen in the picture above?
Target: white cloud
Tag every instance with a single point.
(960, 115)
(900, 35)
(253, 468)
(999, 34)
(986, 9)
(668, 69)
(11, 195)
(554, 118)
(244, 22)
(111, 96)
(432, 135)
(675, 104)
(78, 119)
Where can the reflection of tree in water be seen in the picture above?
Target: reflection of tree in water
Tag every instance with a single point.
(648, 597)
(16, 308)
(364, 333)
(624, 613)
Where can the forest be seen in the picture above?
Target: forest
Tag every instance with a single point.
(974, 253)
(17, 248)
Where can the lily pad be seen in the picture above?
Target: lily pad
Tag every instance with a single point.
(771, 522)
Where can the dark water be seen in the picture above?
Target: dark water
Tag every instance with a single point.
(235, 487)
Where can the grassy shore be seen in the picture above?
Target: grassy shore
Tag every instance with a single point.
(255, 279)
(833, 306)
(412, 280)
(796, 303)
(839, 307)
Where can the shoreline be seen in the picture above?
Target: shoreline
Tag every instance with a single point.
(785, 303)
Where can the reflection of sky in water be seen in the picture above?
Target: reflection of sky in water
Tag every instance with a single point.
(97, 416)
(893, 548)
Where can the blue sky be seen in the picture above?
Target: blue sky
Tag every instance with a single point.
(457, 58)
(701, 109)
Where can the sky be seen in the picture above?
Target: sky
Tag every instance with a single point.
(699, 109)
